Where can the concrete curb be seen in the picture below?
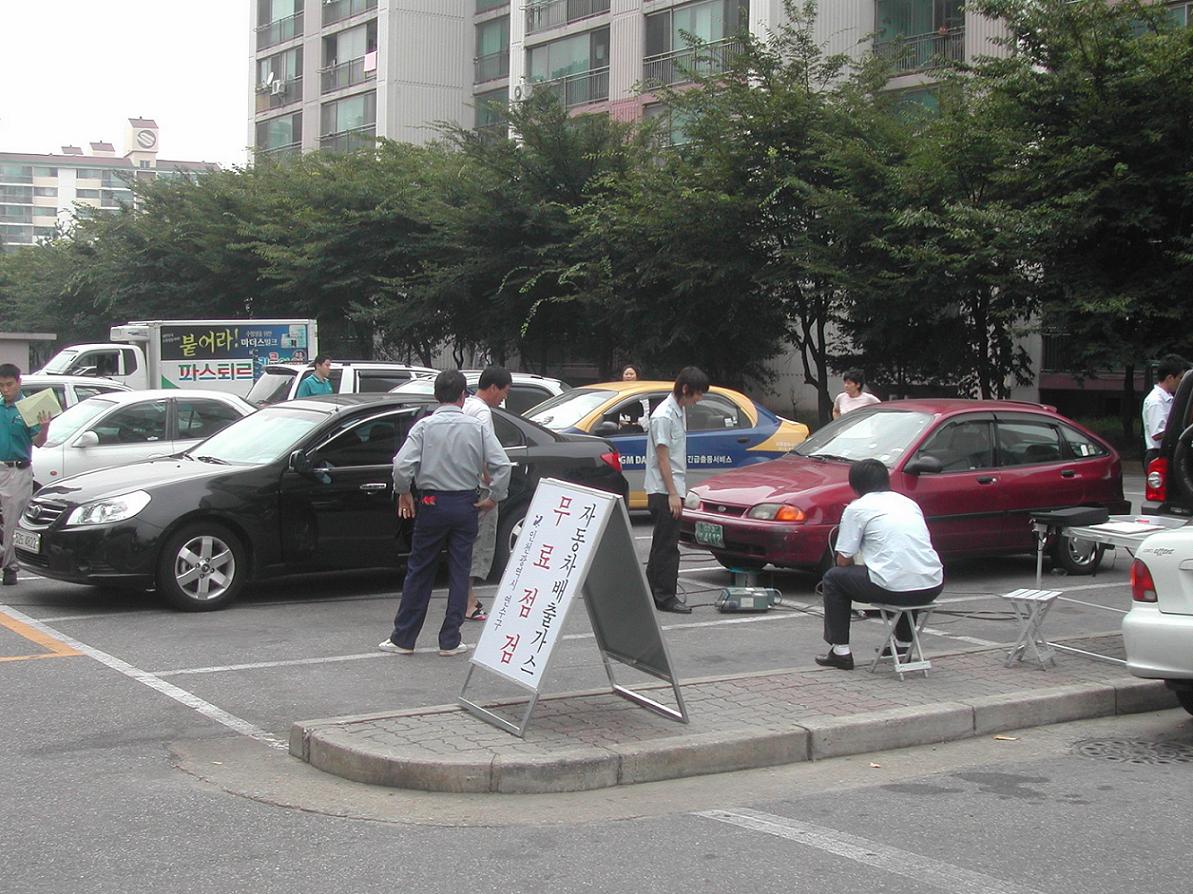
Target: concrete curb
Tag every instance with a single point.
(330, 745)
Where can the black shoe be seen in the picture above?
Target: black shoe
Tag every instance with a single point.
(10, 577)
(674, 605)
(902, 650)
(832, 659)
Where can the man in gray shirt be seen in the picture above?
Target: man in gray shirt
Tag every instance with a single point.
(446, 455)
(666, 487)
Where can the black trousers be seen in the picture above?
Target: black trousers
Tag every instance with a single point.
(662, 568)
(845, 583)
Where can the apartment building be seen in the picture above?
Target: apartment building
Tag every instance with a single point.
(40, 192)
(335, 74)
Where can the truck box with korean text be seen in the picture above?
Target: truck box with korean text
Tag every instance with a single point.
(224, 355)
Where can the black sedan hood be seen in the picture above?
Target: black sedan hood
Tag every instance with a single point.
(148, 476)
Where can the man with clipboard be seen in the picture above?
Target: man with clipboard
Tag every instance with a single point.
(17, 439)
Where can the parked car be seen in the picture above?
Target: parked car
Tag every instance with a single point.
(1169, 482)
(280, 381)
(726, 429)
(527, 389)
(124, 427)
(300, 486)
(69, 390)
(1158, 630)
(977, 469)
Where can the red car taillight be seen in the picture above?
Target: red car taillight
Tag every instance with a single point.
(612, 459)
(1156, 486)
(1143, 588)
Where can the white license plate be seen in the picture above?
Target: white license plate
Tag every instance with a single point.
(709, 534)
(26, 540)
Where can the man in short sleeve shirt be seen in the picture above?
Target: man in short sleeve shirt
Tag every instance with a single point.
(1158, 404)
(17, 440)
(666, 486)
(318, 382)
(901, 568)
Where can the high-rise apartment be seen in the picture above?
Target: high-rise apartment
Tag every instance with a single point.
(334, 74)
(39, 192)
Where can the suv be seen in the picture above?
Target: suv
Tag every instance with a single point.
(280, 381)
(1169, 483)
(526, 391)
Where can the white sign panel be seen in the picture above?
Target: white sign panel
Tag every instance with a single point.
(549, 563)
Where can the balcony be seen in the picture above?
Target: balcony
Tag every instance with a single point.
(543, 15)
(349, 140)
(492, 66)
(279, 31)
(923, 51)
(680, 66)
(276, 94)
(280, 153)
(579, 89)
(335, 10)
(347, 74)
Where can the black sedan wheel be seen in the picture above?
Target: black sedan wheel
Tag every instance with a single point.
(201, 568)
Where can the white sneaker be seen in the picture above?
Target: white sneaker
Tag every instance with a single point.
(458, 650)
(387, 645)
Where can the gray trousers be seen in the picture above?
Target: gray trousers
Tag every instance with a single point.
(486, 542)
(16, 487)
(845, 584)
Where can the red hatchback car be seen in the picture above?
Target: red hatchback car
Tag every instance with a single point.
(977, 469)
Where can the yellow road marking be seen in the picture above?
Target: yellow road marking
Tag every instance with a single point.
(54, 648)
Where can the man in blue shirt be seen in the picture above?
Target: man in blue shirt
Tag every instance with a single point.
(319, 382)
(17, 440)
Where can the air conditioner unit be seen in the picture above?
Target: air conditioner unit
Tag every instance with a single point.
(520, 91)
(277, 88)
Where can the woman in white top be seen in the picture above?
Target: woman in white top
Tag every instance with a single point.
(853, 397)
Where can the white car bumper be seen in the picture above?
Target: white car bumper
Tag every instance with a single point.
(1159, 646)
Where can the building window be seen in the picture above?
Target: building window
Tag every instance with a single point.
(542, 15)
(716, 24)
(349, 123)
(16, 173)
(22, 194)
(492, 111)
(670, 125)
(51, 191)
(492, 50)
(350, 57)
(87, 193)
(486, 5)
(278, 21)
(279, 79)
(575, 68)
(335, 10)
(918, 34)
(45, 172)
(88, 174)
(278, 136)
(16, 235)
(43, 211)
(16, 214)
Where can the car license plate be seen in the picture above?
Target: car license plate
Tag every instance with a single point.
(30, 542)
(709, 534)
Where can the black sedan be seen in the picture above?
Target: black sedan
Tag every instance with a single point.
(296, 487)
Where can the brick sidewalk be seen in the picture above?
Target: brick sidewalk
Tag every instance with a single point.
(592, 740)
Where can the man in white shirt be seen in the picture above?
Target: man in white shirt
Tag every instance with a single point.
(854, 397)
(491, 391)
(901, 566)
(1158, 404)
(666, 485)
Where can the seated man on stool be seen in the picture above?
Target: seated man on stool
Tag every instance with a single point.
(901, 566)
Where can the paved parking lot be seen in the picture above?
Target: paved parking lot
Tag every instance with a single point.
(306, 648)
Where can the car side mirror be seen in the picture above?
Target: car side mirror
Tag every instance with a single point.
(922, 465)
(87, 439)
(605, 427)
(300, 462)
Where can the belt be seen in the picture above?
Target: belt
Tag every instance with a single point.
(451, 493)
(15, 463)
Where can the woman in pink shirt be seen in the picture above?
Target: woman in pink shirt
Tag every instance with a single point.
(853, 397)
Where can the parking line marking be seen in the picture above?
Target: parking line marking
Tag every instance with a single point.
(54, 647)
(917, 867)
(208, 710)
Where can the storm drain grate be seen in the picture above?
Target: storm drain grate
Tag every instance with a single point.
(1135, 751)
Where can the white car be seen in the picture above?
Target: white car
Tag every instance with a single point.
(128, 426)
(69, 390)
(280, 381)
(526, 391)
(1158, 630)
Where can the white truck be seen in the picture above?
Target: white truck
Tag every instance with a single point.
(224, 355)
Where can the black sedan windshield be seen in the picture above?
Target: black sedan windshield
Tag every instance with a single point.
(263, 437)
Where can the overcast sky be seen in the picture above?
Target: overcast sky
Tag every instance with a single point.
(74, 71)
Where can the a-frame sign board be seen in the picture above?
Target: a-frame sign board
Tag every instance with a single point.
(574, 540)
